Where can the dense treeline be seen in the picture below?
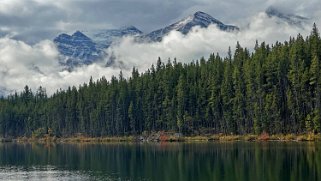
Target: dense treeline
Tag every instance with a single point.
(276, 89)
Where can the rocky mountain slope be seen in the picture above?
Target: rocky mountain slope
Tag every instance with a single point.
(185, 25)
(85, 47)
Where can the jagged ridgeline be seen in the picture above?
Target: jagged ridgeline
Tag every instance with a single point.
(87, 47)
(276, 89)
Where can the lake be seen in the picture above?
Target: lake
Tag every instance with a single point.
(162, 161)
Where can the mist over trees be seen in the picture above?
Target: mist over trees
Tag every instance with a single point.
(276, 89)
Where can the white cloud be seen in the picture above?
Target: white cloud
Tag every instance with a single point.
(22, 64)
(34, 20)
(34, 65)
(202, 42)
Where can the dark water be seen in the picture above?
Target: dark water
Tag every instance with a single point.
(169, 161)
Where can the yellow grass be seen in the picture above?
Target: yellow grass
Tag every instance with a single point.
(171, 138)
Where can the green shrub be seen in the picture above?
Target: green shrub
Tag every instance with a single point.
(39, 133)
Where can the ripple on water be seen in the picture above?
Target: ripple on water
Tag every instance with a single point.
(47, 173)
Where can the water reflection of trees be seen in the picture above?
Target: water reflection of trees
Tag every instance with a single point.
(175, 161)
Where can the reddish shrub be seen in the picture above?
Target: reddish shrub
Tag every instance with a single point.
(163, 136)
(264, 136)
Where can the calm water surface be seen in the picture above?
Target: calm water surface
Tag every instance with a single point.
(169, 161)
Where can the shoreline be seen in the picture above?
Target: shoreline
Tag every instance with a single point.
(168, 138)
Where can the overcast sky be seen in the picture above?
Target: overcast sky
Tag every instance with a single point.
(34, 20)
(29, 57)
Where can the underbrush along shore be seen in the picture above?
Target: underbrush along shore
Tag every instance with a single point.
(165, 137)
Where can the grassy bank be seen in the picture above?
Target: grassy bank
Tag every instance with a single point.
(169, 138)
(76, 139)
(250, 137)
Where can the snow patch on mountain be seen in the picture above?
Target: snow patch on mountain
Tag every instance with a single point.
(86, 47)
(76, 49)
(104, 38)
(185, 25)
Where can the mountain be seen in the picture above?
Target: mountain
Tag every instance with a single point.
(85, 47)
(77, 49)
(199, 18)
(291, 19)
(88, 46)
(104, 38)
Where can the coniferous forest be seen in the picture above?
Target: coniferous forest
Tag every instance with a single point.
(275, 89)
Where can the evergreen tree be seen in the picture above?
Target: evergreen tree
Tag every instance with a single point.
(275, 89)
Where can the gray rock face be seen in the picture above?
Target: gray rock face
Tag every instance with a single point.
(288, 18)
(77, 48)
(83, 48)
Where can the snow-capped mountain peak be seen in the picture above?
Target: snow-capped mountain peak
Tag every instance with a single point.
(184, 26)
(85, 47)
